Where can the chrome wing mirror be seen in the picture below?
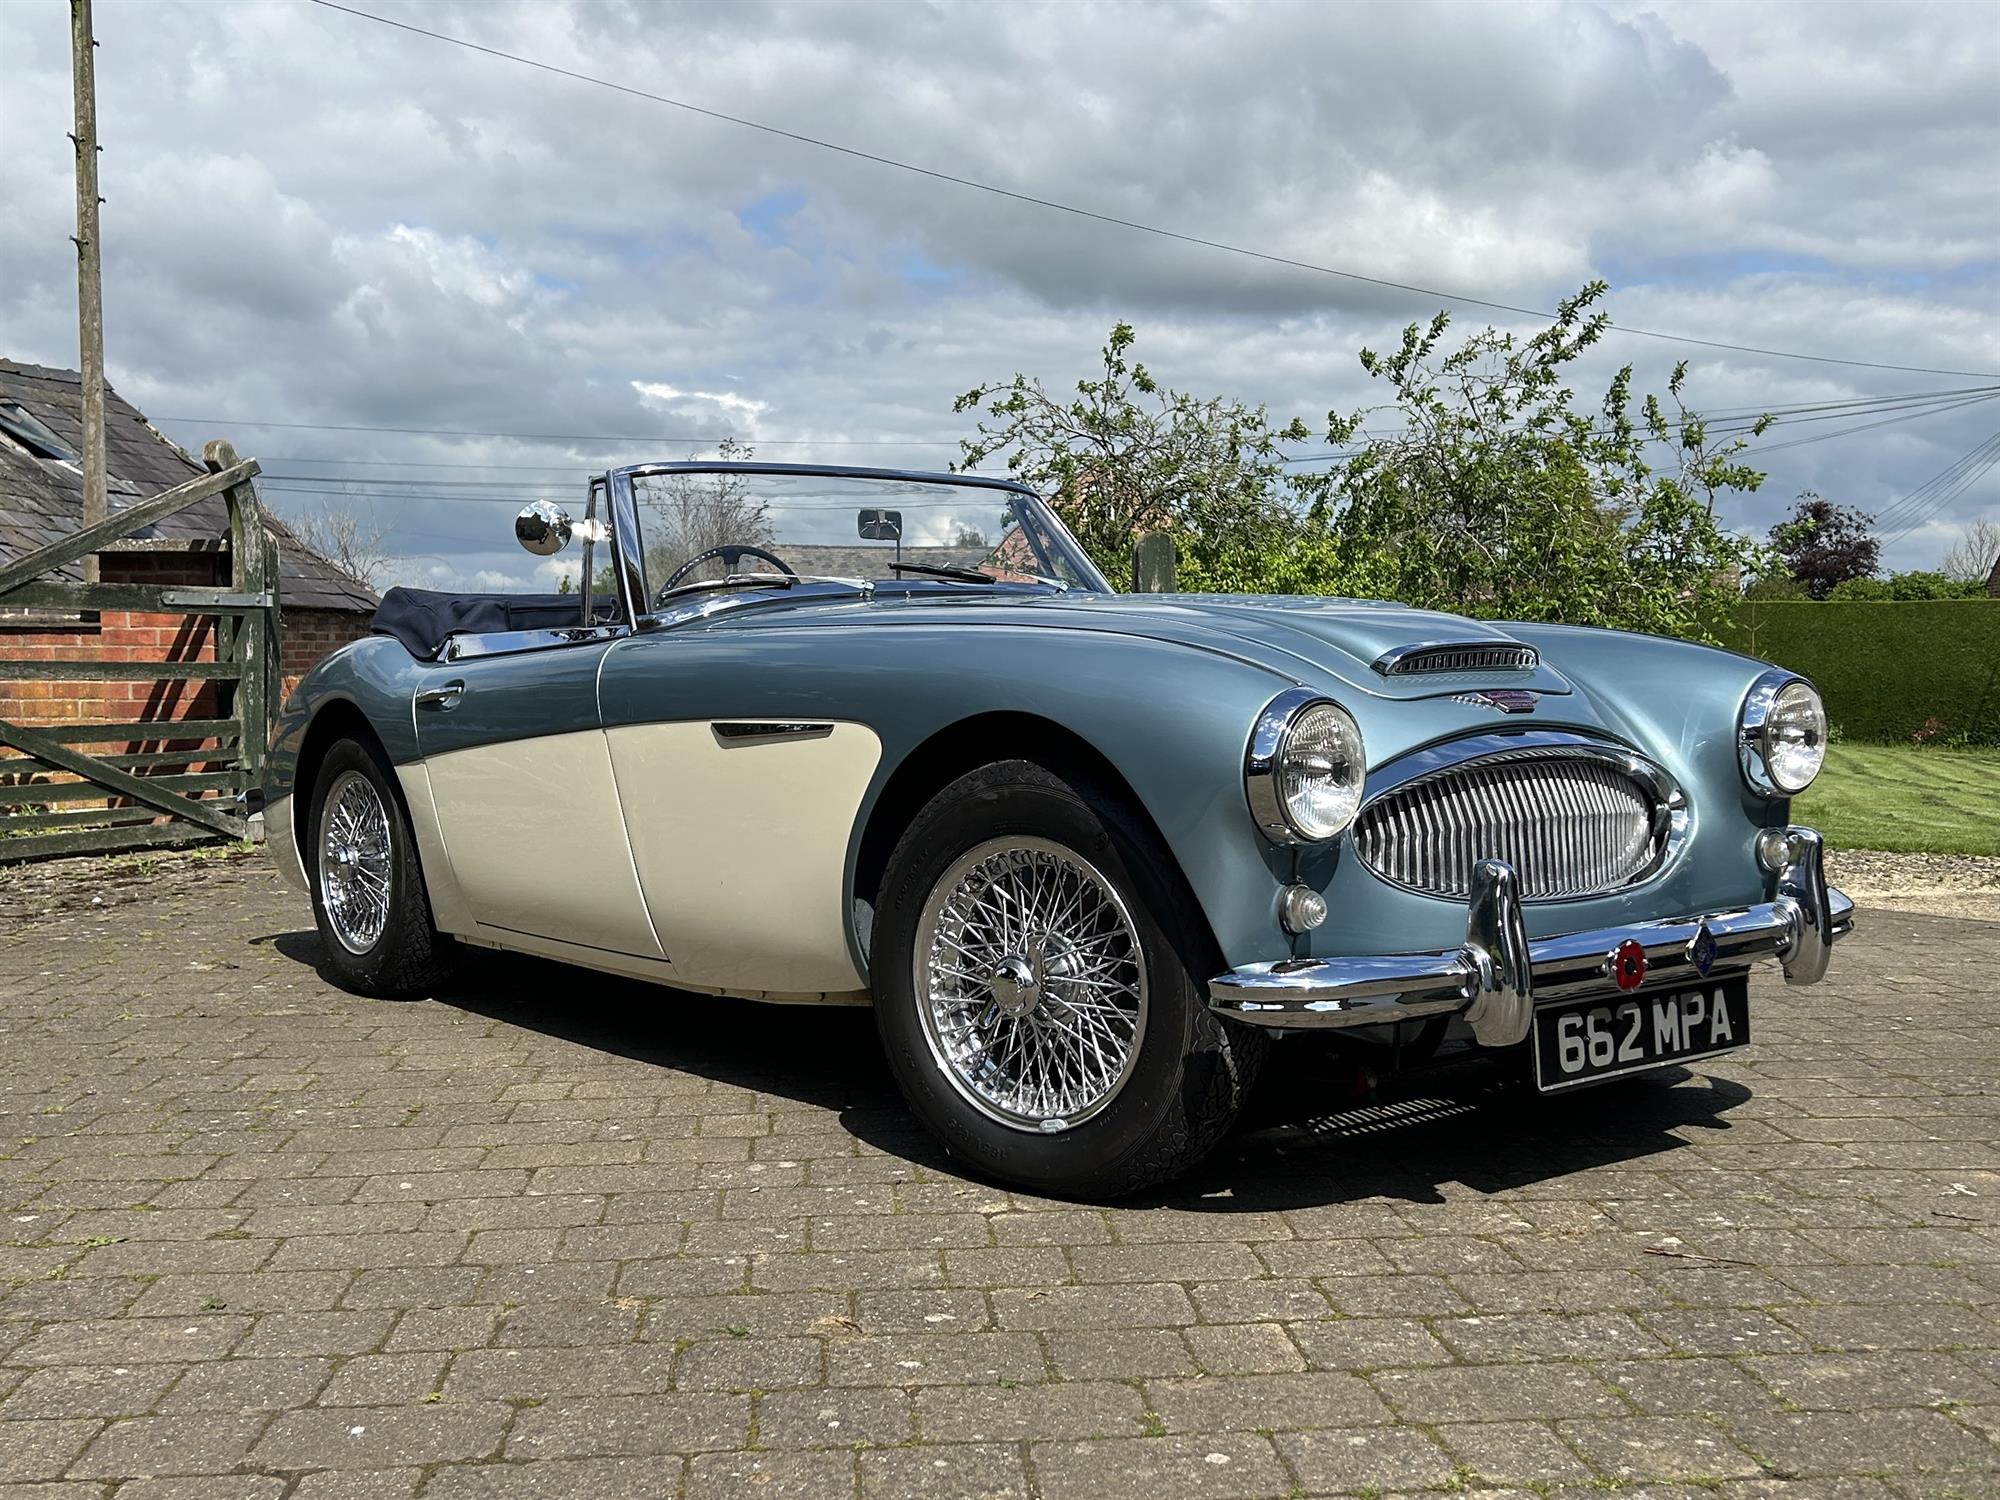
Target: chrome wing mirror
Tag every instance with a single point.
(543, 528)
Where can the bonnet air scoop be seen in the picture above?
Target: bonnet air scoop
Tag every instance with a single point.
(1428, 657)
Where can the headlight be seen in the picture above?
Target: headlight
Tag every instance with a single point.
(1783, 736)
(1305, 769)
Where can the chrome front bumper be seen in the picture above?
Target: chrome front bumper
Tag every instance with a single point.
(1498, 976)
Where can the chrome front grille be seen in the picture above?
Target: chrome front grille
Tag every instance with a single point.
(1571, 823)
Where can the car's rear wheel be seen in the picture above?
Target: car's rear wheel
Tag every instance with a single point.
(1038, 968)
(368, 891)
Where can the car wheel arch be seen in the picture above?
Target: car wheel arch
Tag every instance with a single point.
(950, 753)
(336, 720)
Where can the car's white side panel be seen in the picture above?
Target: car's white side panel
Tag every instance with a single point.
(448, 908)
(741, 847)
(535, 840)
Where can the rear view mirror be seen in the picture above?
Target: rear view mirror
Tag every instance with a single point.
(543, 528)
(881, 526)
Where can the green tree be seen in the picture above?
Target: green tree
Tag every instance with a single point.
(1499, 497)
(1128, 455)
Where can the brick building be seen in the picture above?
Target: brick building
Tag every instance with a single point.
(41, 498)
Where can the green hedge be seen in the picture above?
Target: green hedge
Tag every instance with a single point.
(1886, 667)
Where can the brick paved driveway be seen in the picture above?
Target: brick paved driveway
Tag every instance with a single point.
(558, 1236)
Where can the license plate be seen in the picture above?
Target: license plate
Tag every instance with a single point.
(1593, 1039)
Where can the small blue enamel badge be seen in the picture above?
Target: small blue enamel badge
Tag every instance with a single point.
(1701, 950)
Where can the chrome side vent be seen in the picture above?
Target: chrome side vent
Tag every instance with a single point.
(1458, 656)
(1572, 825)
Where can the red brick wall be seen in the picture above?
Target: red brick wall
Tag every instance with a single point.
(311, 633)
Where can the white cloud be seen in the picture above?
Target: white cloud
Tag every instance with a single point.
(657, 393)
(310, 218)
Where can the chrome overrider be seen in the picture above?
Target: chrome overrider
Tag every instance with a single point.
(1498, 976)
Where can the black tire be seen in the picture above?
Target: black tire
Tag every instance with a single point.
(409, 957)
(1191, 1070)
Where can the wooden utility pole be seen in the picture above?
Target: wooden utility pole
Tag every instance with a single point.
(89, 270)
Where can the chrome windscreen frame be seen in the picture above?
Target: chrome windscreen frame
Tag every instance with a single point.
(1672, 819)
(628, 554)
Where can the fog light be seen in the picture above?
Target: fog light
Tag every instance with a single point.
(1774, 849)
(1300, 908)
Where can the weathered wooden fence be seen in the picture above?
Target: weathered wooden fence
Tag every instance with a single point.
(179, 781)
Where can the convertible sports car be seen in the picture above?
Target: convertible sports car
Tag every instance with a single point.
(844, 735)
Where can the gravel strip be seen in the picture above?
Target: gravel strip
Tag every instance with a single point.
(1942, 885)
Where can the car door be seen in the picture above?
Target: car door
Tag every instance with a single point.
(740, 793)
(520, 773)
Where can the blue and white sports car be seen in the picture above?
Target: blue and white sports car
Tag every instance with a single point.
(848, 736)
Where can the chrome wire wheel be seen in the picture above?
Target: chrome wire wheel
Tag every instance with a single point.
(354, 861)
(1030, 983)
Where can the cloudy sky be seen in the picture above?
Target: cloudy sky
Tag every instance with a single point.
(316, 219)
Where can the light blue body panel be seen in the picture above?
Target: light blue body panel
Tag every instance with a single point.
(1166, 688)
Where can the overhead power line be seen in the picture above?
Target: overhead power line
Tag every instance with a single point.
(563, 437)
(1721, 420)
(1930, 498)
(1076, 211)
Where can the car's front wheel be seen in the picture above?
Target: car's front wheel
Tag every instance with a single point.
(1038, 969)
(368, 891)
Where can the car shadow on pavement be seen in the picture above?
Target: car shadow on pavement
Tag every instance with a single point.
(1314, 1135)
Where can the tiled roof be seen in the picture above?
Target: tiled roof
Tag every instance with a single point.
(41, 500)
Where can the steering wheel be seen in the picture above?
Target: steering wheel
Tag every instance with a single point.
(729, 555)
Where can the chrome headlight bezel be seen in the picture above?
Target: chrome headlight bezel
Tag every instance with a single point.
(1271, 741)
(1755, 738)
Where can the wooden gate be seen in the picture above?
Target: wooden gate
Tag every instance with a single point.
(164, 789)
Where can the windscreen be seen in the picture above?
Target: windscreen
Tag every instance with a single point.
(702, 525)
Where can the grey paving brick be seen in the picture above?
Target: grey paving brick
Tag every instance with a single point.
(382, 1437)
(1278, 1402)
(128, 1341)
(959, 1471)
(835, 1418)
(733, 1364)
(936, 1359)
(1497, 1392)
(33, 1450)
(801, 1475)
(520, 1374)
(1367, 1344)
(277, 1334)
(1671, 1387)
(1854, 1381)
(995, 1413)
(594, 1426)
(60, 1391)
(141, 1446)
(1244, 1349)
(1506, 1453)
(1377, 1458)
(1547, 1336)
(206, 1487)
(1119, 1353)
(625, 1478)
(1234, 1466)
(385, 1380)
(247, 1385)
(1142, 1306)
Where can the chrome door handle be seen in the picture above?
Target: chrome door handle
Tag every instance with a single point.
(441, 698)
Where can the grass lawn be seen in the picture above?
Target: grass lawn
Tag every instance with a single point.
(1906, 800)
